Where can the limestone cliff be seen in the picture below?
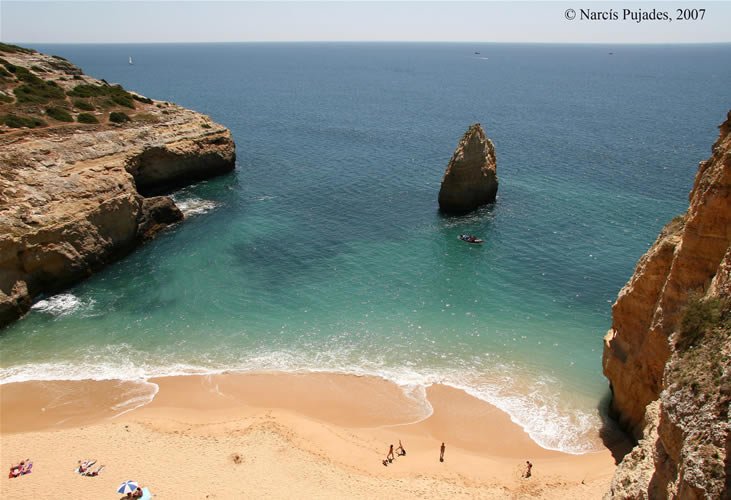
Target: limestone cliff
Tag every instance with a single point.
(471, 176)
(71, 190)
(668, 353)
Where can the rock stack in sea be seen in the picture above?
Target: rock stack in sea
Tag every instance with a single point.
(668, 353)
(78, 160)
(471, 176)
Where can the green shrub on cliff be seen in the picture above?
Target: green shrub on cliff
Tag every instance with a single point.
(34, 90)
(86, 90)
(697, 397)
(5, 98)
(15, 121)
(59, 114)
(85, 105)
(86, 118)
(12, 49)
(118, 117)
(699, 316)
(115, 93)
(123, 100)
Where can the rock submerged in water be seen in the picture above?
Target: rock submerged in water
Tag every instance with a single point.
(471, 177)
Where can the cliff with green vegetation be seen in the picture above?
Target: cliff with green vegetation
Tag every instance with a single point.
(79, 159)
(668, 353)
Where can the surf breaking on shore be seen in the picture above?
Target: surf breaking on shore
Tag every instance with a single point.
(538, 412)
(338, 424)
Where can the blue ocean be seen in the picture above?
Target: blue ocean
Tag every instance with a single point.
(325, 249)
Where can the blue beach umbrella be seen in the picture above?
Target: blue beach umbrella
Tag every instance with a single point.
(127, 487)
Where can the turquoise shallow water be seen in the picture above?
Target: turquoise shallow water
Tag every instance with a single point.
(325, 251)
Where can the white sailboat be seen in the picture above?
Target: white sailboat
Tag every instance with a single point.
(130, 59)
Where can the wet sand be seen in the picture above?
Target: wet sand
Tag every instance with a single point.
(281, 435)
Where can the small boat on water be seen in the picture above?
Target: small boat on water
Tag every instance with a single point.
(469, 238)
(130, 60)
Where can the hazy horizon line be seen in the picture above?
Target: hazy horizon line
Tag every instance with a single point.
(461, 42)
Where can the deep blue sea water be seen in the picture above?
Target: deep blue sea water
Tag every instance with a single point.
(325, 250)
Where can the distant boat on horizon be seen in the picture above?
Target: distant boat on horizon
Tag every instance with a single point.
(130, 60)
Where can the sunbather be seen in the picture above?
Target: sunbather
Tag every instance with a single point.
(14, 471)
(92, 473)
(27, 468)
(84, 466)
(24, 467)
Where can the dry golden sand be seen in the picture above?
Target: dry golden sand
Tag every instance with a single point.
(279, 436)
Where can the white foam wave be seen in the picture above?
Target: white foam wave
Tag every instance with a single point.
(149, 391)
(190, 205)
(537, 408)
(63, 304)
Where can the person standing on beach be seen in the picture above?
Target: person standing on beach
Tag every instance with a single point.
(400, 450)
(390, 456)
(441, 453)
(528, 467)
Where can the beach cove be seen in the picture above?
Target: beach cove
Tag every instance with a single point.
(314, 307)
(281, 435)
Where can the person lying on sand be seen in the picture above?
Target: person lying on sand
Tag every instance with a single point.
(24, 467)
(84, 466)
(15, 470)
(92, 473)
(400, 451)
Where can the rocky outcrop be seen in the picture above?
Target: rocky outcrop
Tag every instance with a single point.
(160, 168)
(668, 353)
(156, 214)
(471, 176)
(71, 195)
(633, 477)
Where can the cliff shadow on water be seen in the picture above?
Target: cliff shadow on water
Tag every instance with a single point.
(480, 220)
(616, 440)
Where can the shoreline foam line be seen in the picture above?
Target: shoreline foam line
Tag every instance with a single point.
(519, 407)
(144, 401)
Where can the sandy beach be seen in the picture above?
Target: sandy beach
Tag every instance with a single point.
(280, 436)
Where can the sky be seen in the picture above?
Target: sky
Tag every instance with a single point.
(570, 21)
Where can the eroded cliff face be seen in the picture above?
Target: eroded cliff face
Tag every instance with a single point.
(71, 195)
(668, 353)
(471, 176)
